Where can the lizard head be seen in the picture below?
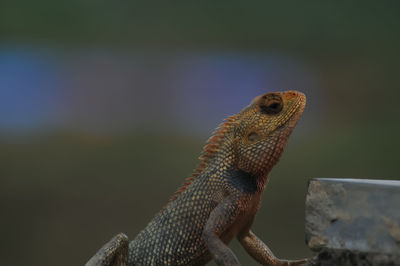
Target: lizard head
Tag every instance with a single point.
(254, 139)
(263, 128)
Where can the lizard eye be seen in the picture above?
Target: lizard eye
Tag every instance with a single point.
(272, 104)
(253, 136)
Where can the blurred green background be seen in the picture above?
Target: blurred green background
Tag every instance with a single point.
(104, 108)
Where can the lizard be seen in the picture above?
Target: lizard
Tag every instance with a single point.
(221, 198)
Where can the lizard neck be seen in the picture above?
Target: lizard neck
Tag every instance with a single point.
(226, 162)
(261, 164)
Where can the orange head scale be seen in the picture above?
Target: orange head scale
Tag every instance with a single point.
(254, 139)
(263, 129)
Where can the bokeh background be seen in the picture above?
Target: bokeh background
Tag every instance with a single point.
(104, 107)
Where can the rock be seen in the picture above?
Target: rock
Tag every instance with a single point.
(333, 257)
(359, 217)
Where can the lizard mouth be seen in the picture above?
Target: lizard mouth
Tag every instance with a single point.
(296, 112)
(283, 131)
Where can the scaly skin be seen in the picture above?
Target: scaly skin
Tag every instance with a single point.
(219, 202)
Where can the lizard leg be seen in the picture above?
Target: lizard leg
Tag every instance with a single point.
(113, 253)
(221, 218)
(260, 252)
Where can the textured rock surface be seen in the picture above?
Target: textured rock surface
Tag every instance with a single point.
(353, 221)
(332, 257)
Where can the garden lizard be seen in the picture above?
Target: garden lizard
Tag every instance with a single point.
(221, 198)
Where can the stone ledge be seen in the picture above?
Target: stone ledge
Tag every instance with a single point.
(355, 219)
(329, 257)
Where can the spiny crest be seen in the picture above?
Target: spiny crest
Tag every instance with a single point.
(210, 148)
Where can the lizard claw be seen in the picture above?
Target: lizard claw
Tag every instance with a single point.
(294, 262)
(298, 262)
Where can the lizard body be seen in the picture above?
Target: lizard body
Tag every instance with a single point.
(220, 200)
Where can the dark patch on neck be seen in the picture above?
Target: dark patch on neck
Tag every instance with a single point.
(242, 180)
